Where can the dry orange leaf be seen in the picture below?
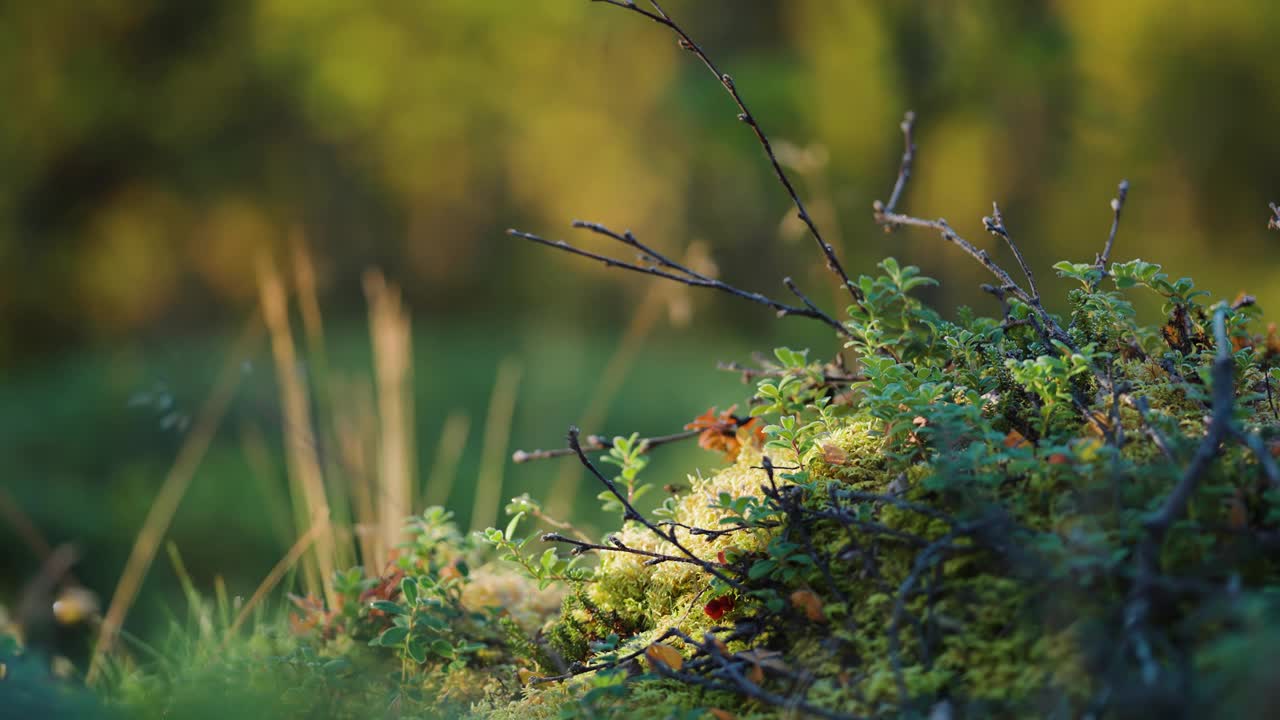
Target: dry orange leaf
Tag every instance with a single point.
(527, 676)
(1058, 459)
(719, 714)
(810, 603)
(662, 654)
(724, 432)
(1016, 439)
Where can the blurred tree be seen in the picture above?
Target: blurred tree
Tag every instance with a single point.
(151, 148)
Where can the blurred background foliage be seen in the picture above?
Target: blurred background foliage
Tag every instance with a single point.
(151, 151)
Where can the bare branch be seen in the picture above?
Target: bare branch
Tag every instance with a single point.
(995, 226)
(1048, 325)
(731, 668)
(1219, 429)
(744, 115)
(599, 442)
(630, 513)
(904, 168)
(1117, 206)
(675, 272)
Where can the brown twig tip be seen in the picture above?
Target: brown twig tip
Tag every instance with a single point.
(519, 456)
(882, 209)
(995, 223)
(1117, 207)
(1274, 222)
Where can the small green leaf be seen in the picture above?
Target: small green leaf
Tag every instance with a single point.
(409, 589)
(387, 607)
(418, 649)
(511, 526)
(760, 568)
(391, 637)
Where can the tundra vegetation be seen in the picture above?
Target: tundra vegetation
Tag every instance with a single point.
(1019, 515)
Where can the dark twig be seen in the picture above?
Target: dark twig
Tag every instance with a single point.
(843, 330)
(995, 226)
(731, 668)
(1175, 504)
(577, 669)
(1048, 325)
(1147, 556)
(676, 273)
(904, 168)
(598, 443)
(1117, 206)
(1268, 464)
(630, 513)
(616, 545)
(659, 16)
(628, 238)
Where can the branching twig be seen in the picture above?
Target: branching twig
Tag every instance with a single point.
(1048, 325)
(596, 443)
(659, 16)
(731, 668)
(995, 226)
(577, 669)
(676, 272)
(630, 513)
(616, 545)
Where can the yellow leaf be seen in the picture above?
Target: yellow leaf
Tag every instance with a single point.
(660, 654)
(527, 676)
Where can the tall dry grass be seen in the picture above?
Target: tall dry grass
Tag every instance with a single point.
(497, 436)
(172, 489)
(349, 451)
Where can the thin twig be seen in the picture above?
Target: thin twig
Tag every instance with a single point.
(1268, 464)
(578, 668)
(741, 685)
(692, 280)
(1117, 206)
(616, 545)
(660, 16)
(630, 513)
(904, 168)
(1049, 326)
(597, 443)
(995, 225)
(1222, 372)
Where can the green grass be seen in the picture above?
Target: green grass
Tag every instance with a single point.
(84, 463)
